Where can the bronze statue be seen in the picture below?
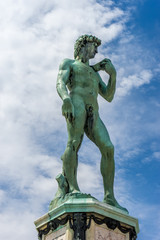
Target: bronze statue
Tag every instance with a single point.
(78, 85)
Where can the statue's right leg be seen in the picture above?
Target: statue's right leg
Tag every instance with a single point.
(70, 156)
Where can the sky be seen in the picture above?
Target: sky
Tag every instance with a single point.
(35, 37)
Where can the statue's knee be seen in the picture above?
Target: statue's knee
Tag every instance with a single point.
(73, 144)
(109, 149)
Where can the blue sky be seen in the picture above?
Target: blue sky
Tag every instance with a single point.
(35, 37)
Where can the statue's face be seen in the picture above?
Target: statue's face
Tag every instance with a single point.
(91, 49)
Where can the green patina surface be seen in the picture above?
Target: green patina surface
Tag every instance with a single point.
(78, 85)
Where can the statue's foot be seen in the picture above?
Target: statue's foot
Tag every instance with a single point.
(74, 191)
(113, 202)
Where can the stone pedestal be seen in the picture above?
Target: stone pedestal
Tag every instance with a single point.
(86, 219)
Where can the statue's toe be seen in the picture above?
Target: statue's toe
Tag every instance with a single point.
(113, 202)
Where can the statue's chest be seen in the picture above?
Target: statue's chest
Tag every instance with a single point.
(85, 75)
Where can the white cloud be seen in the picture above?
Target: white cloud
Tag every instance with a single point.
(134, 81)
(20, 222)
(155, 156)
(2, 197)
(89, 179)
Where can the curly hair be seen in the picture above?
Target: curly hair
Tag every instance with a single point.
(81, 42)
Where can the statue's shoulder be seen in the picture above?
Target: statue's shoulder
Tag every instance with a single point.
(66, 63)
(96, 72)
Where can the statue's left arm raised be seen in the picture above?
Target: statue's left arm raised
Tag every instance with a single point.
(62, 80)
(107, 91)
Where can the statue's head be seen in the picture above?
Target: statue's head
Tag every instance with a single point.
(82, 41)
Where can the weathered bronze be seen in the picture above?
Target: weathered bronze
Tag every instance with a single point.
(78, 85)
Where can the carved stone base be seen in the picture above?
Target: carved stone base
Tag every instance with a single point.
(86, 220)
(59, 234)
(102, 232)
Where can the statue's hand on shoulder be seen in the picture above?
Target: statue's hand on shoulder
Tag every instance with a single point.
(68, 110)
(105, 65)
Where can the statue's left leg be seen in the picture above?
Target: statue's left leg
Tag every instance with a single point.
(99, 135)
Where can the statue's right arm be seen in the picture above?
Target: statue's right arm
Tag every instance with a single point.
(62, 80)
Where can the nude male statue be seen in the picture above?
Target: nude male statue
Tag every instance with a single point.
(80, 108)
